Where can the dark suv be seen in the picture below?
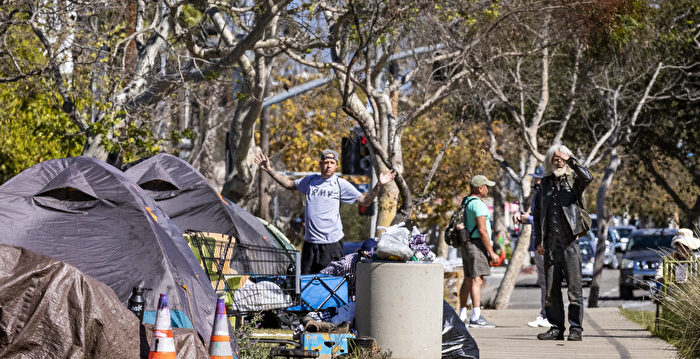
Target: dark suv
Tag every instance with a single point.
(642, 257)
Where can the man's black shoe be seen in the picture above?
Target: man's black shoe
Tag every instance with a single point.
(574, 336)
(551, 334)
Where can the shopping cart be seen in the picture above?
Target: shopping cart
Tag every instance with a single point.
(251, 278)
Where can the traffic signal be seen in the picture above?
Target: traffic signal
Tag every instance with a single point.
(349, 155)
(355, 156)
(365, 163)
(366, 210)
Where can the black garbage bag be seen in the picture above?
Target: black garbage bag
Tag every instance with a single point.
(456, 340)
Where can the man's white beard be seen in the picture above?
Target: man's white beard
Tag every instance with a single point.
(558, 172)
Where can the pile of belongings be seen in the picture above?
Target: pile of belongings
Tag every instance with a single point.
(399, 244)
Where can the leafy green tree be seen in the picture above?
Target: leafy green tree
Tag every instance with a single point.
(32, 130)
(33, 127)
(121, 70)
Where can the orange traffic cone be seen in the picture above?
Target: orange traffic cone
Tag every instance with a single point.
(220, 342)
(162, 343)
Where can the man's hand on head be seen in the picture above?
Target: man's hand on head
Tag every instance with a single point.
(561, 155)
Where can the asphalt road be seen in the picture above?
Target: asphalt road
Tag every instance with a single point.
(526, 294)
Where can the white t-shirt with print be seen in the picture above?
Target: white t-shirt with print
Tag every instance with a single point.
(323, 197)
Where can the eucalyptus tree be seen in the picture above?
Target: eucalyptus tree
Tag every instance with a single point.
(523, 91)
(127, 73)
(652, 69)
(392, 62)
(562, 88)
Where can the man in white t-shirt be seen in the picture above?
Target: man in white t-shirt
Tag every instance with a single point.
(323, 229)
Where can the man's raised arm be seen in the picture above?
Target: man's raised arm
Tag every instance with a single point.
(264, 163)
(384, 178)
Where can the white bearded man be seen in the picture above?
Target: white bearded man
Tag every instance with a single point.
(557, 224)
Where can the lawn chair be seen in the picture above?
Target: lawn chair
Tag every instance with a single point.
(674, 272)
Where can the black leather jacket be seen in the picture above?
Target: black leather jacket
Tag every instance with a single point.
(570, 198)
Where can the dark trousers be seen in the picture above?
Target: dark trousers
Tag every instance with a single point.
(316, 256)
(562, 263)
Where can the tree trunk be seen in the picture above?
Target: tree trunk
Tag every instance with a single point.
(499, 203)
(264, 197)
(386, 204)
(93, 147)
(520, 254)
(441, 247)
(238, 182)
(513, 271)
(602, 227)
(241, 142)
(205, 141)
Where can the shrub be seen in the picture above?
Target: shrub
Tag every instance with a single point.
(680, 320)
(248, 346)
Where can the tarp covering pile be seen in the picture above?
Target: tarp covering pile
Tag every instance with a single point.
(88, 214)
(49, 309)
(187, 198)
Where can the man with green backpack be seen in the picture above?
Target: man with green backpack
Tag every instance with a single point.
(476, 250)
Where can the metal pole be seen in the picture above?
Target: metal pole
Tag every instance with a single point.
(373, 219)
(298, 90)
(297, 274)
(275, 210)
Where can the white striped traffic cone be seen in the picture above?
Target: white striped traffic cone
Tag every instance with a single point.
(162, 342)
(220, 342)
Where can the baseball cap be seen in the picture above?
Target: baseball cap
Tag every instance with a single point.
(329, 154)
(539, 172)
(480, 180)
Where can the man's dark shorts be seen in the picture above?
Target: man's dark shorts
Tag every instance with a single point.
(316, 256)
(474, 259)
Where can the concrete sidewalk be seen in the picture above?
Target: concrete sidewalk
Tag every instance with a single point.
(607, 334)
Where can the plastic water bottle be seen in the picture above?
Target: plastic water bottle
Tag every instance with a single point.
(137, 303)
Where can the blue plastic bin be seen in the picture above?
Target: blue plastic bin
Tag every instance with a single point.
(322, 291)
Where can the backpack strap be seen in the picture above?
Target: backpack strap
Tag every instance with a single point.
(465, 217)
(340, 192)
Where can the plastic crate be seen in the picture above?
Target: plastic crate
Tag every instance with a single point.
(327, 345)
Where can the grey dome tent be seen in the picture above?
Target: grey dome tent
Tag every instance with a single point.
(88, 214)
(185, 195)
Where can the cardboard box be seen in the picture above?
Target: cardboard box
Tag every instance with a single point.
(327, 345)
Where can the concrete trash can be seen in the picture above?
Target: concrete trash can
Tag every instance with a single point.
(400, 305)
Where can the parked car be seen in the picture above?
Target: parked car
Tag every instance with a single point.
(642, 258)
(587, 260)
(611, 257)
(623, 233)
(590, 239)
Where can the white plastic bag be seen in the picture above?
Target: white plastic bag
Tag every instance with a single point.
(393, 243)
